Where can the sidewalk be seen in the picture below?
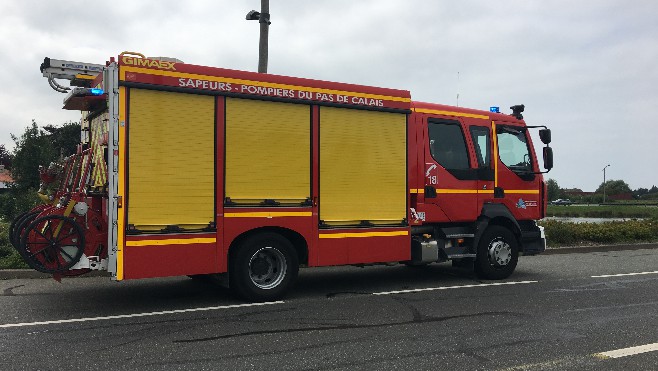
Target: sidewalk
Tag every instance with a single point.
(12, 274)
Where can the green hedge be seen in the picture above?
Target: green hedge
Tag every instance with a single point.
(569, 234)
(9, 258)
(621, 211)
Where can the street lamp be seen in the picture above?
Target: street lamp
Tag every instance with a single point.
(263, 17)
(604, 182)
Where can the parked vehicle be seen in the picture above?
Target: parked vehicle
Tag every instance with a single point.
(192, 170)
(563, 202)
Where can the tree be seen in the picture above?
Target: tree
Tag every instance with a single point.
(65, 138)
(33, 148)
(640, 192)
(41, 147)
(614, 187)
(5, 157)
(554, 190)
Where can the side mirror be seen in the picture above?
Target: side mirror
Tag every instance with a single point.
(545, 136)
(548, 157)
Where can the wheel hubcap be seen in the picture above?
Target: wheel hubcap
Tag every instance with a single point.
(267, 268)
(500, 253)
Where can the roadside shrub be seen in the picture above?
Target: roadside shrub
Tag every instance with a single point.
(560, 233)
(620, 211)
(17, 201)
(9, 258)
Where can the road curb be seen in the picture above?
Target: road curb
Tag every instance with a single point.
(14, 274)
(598, 248)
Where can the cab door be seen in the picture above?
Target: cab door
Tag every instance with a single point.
(516, 184)
(450, 177)
(480, 133)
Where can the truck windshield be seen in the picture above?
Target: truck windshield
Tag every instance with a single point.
(513, 150)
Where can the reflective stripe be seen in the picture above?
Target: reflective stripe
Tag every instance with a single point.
(487, 191)
(495, 157)
(451, 113)
(364, 234)
(451, 191)
(465, 191)
(420, 190)
(121, 180)
(268, 214)
(175, 241)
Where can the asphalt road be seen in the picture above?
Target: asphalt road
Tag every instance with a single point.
(556, 312)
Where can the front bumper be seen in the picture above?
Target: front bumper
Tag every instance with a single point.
(534, 241)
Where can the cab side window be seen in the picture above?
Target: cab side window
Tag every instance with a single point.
(447, 145)
(480, 136)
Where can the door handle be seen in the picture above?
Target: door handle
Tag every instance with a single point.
(430, 192)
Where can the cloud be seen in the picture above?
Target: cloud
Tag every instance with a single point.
(586, 68)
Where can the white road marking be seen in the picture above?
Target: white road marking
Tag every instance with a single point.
(629, 351)
(624, 274)
(453, 287)
(73, 320)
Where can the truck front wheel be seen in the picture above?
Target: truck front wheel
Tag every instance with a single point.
(263, 267)
(497, 254)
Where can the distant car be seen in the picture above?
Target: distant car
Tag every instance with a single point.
(560, 201)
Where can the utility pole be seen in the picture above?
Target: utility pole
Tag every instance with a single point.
(263, 17)
(604, 182)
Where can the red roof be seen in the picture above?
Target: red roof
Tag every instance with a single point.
(5, 177)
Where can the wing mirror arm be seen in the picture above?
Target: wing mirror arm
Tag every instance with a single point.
(545, 136)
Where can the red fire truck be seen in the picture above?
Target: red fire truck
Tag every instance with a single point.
(192, 170)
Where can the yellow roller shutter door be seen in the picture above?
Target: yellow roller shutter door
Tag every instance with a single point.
(362, 166)
(171, 179)
(267, 151)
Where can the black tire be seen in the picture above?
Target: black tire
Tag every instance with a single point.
(20, 226)
(497, 254)
(263, 267)
(12, 227)
(53, 244)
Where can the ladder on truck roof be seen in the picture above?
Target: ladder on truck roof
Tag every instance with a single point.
(80, 76)
(78, 73)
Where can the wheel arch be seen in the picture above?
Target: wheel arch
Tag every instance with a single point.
(296, 239)
(496, 214)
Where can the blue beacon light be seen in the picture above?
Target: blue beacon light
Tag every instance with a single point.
(96, 91)
(494, 109)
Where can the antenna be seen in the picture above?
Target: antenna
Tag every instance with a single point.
(457, 88)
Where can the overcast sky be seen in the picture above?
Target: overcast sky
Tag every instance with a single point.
(588, 69)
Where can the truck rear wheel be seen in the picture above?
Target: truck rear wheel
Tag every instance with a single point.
(263, 267)
(497, 253)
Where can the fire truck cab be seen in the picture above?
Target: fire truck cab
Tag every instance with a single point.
(193, 170)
